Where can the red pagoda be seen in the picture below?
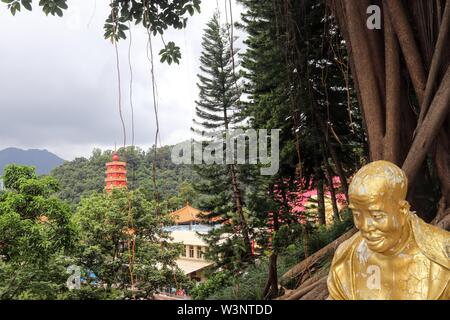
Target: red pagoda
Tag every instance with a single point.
(116, 174)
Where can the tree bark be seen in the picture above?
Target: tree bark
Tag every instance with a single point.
(321, 200)
(364, 60)
(429, 129)
(442, 164)
(391, 150)
(304, 290)
(394, 132)
(339, 169)
(436, 62)
(318, 292)
(332, 190)
(271, 288)
(239, 210)
(411, 53)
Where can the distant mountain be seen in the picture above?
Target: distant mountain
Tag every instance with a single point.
(43, 160)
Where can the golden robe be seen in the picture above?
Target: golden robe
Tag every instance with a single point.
(433, 243)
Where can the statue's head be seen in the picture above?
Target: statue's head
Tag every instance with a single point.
(377, 198)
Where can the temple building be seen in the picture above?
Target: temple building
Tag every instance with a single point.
(192, 260)
(188, 216)
(116, 174)
(190, 224)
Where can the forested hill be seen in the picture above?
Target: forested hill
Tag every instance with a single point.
(83, 176)
(43, 160)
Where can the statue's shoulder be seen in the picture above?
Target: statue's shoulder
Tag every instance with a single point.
(343, 254)
(339, 279)
(433, 241)
(346, 248)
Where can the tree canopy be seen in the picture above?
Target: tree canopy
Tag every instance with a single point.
(37, 237)
(124, 244)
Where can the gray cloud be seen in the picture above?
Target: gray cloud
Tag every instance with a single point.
(58, 81)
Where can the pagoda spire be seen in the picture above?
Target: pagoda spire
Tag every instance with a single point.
(116, 173)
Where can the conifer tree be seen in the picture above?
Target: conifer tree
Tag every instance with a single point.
(218, 110)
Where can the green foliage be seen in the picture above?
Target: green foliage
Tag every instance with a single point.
(218, 104)
(170, 53)
(317, 238)
(155, 16)
(215, 283)
(187, 192)
(53, 7)
(266, 79)
(14, 173)
(122, 234)
(325, 235)
(92, 293)
(108, 235)
(248, 284)
(82, 177)
(36, 237)
(217, 110)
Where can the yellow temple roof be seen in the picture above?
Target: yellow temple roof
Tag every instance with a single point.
(187, 214)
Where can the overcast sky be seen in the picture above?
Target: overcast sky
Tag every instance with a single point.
(58, 81)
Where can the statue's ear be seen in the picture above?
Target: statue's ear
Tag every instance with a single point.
(404, 207)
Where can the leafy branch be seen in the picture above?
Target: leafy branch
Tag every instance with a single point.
(156, 16)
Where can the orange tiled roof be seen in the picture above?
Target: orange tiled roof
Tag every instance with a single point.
(187, 214)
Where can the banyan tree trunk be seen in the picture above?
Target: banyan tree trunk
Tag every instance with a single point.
(402, 77)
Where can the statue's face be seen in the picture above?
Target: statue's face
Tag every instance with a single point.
(381, 221)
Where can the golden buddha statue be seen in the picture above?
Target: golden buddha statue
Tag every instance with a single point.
(395, 255)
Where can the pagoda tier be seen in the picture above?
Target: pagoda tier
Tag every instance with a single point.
(116, 174)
